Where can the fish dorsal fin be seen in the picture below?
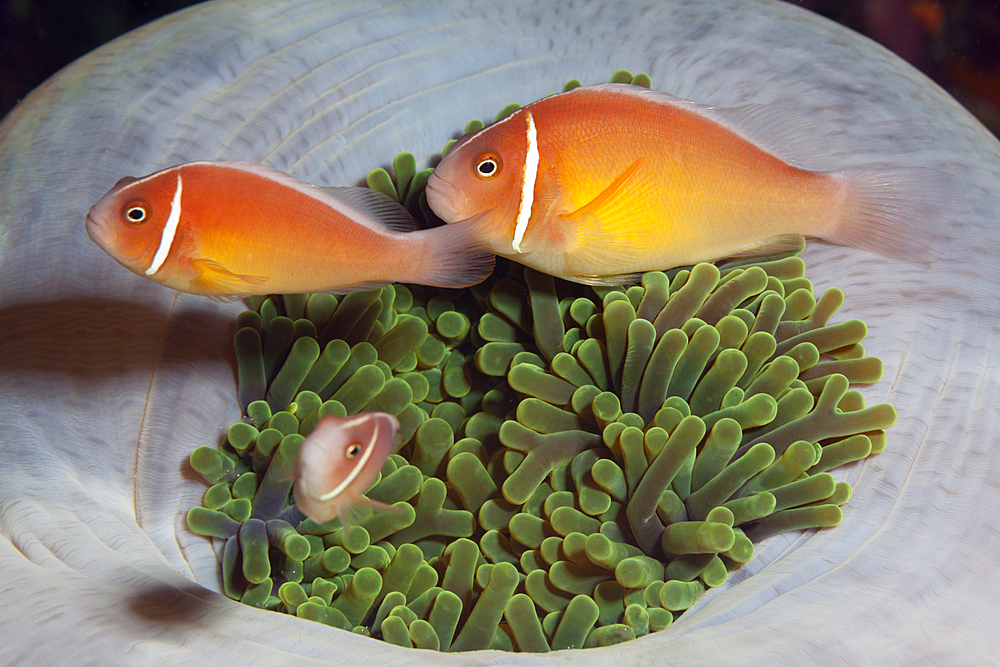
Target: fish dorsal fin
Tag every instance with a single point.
(215, 280)
(608, 228)
(366, 206)
(780, 131)
(371, 205)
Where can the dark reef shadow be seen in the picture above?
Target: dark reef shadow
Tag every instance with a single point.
(97, 339)
(163, 603)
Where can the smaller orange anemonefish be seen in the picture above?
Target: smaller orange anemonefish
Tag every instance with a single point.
(337, 463)
(234, 229)
(604, 181)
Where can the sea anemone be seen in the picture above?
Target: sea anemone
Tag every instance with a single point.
(611, 453)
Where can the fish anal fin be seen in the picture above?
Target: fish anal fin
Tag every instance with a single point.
(770, 248)
(607, 281)
(357, 287)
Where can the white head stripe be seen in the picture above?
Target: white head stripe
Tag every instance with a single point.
(528, 187)
(491, 127)
(356, 470)
(169, 230)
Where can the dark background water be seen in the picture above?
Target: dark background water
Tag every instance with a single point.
(955, 42)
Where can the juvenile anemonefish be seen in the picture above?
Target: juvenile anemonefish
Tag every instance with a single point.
(337, 463)
(233, 229)
(614, 179)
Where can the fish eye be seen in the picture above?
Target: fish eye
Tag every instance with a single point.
(135, 212)
(487, 166)
(352, 451)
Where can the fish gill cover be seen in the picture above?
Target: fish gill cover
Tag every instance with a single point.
(578, 464)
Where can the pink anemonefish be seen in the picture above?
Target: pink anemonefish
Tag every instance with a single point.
(234, 229)
(614, 179)
(337, 463)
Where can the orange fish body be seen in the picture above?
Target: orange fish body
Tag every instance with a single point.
(615, 179)
(232, 229)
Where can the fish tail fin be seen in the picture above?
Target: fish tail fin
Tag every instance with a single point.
(902, 213)
(454, 255)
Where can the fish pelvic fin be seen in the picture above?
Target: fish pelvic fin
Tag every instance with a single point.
(214, 280)
(355, 508)
(902, 213)
(452, 255)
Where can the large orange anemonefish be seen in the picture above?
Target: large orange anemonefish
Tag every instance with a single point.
(608, 180)
(233, 229)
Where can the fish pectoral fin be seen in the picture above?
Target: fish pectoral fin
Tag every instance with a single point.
(771, 248)
(609, 231)
(214, 280)
(608, 203)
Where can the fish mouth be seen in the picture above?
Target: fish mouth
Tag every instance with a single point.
(447, 201)
(99, 231)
